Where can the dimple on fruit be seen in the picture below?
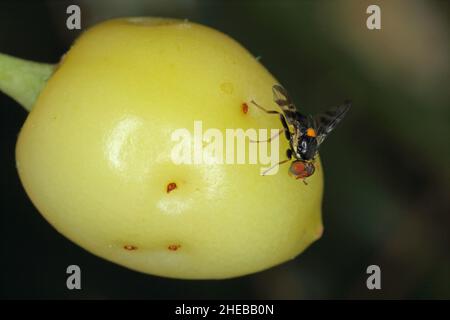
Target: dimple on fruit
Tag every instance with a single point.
(94, 154)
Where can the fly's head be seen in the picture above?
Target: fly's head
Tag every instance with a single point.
(300, 169)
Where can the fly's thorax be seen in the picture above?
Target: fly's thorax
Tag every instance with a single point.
(310, 147)
(304, 146)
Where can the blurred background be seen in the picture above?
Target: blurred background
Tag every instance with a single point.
(387, 167)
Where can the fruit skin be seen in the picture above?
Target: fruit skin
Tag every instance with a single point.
(94, 154)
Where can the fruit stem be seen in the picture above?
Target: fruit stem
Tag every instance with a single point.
(23, 80)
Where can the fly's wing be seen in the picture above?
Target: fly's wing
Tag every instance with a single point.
(325, 122)
(281, 98)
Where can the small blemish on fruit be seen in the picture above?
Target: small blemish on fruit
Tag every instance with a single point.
(227, 87)
(174, 247)
(171, 186)
(319, 232)
(129, 247)
(244, 107)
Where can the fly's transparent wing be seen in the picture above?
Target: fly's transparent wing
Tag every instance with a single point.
(282, 99)
(325, 122)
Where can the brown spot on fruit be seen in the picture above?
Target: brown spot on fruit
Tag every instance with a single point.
(244, 107)
(171, 186)
(174, 247)
(129, 247)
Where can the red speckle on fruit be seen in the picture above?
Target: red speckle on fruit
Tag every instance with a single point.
(244, 107)
(174, 247)
(129, 247)
(171, 186)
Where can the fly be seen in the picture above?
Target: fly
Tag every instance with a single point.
(308, 132)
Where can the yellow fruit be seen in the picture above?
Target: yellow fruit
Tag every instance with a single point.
(94, 154)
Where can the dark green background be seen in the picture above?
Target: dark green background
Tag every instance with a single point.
(387, 166)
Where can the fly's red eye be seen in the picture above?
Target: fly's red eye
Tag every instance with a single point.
(297, 168)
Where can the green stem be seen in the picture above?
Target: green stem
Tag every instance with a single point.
(23, 80)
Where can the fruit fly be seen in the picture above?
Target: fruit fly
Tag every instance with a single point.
(308, 132)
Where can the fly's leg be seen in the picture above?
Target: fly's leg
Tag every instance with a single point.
(264, 109)
(268, 140)
(287, 133)
(279, 163)
(289, 156)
